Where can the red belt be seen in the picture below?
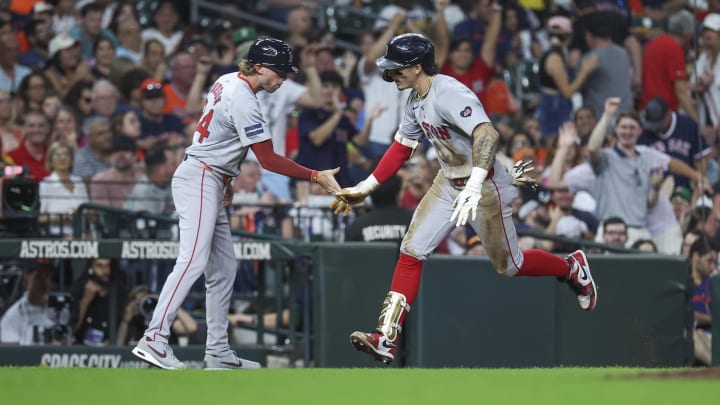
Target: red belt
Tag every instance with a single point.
(226, 179)
(462, 181)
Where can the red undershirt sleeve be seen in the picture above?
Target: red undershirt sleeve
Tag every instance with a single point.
(392, 161)
(279, 164)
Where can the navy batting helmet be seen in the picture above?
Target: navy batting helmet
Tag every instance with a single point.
(408, 50)
(272, 53)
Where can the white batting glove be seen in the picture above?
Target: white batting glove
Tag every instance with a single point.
(467, 201)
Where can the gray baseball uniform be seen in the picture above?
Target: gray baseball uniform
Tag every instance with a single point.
(230, 123)
(447, 116)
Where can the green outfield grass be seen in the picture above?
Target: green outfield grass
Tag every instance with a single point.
(347, 386)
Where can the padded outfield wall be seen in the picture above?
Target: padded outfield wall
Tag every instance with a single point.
(468, 316)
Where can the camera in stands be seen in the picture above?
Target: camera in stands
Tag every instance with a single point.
(58, 309)
(147, 305)
(20, 197)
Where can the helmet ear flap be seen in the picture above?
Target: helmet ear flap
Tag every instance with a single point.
(386, 76)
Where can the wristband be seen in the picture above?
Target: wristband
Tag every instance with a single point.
(368, 185)
(313, 176)
(477, 177)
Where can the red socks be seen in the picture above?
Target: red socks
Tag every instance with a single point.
(406, 279)
(537, 263)
(540, 263)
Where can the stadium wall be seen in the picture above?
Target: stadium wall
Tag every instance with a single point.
(468, 316)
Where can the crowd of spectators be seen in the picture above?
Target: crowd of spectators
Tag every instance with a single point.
(99, 98)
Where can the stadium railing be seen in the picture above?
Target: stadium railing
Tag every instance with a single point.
(339, 19)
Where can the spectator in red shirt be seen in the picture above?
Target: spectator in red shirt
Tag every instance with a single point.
(32, 151)
(664, 71)
(461, 63)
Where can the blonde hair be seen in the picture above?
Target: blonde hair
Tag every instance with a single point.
(51, 152)
(246, 68)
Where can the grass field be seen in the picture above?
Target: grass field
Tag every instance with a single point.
(347, 386)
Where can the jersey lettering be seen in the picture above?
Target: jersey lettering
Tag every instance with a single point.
(203, 126)
(216, 91)
(679, 146)
(432, 131)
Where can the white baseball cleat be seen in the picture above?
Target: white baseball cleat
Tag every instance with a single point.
(228, 361)
(157, 354)
(581, 281)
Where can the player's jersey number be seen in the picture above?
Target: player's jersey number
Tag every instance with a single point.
(203, 126)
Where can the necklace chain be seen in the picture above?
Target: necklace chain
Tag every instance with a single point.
(418, 96)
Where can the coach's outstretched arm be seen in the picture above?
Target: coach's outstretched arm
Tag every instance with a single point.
(282, 165)
(396, 155)
(486, 141)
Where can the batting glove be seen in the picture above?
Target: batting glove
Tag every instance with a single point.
(467, 201)
(520, 175)
(348, 197)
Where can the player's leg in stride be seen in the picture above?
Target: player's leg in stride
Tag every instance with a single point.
(581, 281)
(427, 229)
(496, 230)
(382, 342)
(573, 270)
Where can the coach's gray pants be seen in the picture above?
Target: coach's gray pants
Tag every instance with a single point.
(205, 246)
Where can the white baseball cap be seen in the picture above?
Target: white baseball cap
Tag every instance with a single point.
(571, 227)
(712, 22)
(42, 7)
(527, 208)
(583, 201)
(59, 42)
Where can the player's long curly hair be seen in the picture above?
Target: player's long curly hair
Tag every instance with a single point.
(246, 68)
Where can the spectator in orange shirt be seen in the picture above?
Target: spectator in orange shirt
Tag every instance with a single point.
(182, 68)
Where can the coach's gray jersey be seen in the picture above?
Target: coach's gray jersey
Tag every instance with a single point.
(447, 116)
(231, 121)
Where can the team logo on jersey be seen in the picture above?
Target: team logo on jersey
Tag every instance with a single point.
(253, 130)
(466, 112)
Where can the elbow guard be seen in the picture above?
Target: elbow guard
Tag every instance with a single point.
(410, 143)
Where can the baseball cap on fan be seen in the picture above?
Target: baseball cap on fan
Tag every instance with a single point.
(654, 114)
(559, 25)
(61, 42)
(242, 50)
(681, 194)
(151, 88)
(527, 208)
(712, 22)
(42, 7)
(243, 34)
(30, 265)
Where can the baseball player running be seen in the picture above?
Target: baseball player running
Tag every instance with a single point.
(231, 124)
(452, 118)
